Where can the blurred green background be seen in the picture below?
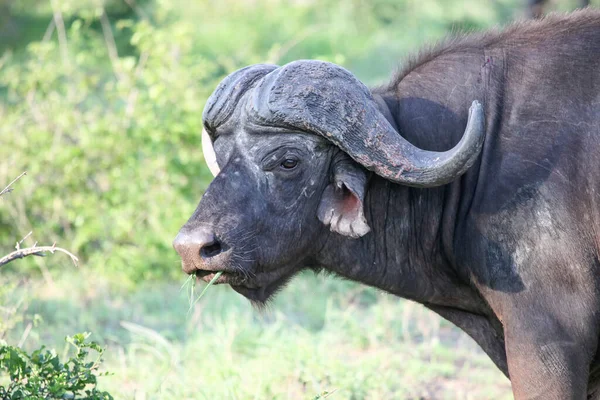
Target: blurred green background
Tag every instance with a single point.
(101, 104)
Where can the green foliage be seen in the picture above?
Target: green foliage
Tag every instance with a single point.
(41, 375)
(104, 109)
(112, 147)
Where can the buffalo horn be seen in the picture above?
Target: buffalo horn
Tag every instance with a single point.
(209, 153)
(325, 99)
(221, 105)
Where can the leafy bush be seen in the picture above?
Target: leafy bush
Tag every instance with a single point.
(103, 108)
(107, 144)
(43, 376)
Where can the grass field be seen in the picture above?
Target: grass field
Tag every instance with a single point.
(320, 336)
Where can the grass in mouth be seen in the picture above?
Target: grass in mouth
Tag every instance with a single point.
(191, 282)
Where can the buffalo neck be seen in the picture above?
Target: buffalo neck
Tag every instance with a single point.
(404, 252)
(409, 251)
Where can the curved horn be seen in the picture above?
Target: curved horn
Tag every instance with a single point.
(209, 154)
(323, 98)
(223, 101)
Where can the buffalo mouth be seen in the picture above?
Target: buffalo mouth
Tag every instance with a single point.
(257, 287)
(227, 277)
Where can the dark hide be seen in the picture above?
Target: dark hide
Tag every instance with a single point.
(536, 7)
(325, 99)
(508, 251)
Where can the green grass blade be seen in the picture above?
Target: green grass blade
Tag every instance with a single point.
(188, 281)
(217, 275)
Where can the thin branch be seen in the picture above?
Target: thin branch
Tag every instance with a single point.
(36, 251)
(25, 334)
(111, 45)
(290, 44)
(133, 93)
(8, 189)
(133, 5)
(62, 32)
(49, 30)
(18, 246)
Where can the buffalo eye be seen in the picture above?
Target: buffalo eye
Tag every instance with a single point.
(289, 163)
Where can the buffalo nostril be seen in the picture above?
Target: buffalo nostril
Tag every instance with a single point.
(211, 249)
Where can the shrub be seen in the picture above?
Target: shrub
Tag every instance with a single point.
(42, 375)
(104, 110)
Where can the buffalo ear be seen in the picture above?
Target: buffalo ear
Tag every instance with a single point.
(342, 203)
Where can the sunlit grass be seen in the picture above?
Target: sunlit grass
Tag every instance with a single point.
(319, 335)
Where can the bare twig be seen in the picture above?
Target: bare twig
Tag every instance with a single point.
(290, 44)
(8, 188)
(62, 32)
(111, 45)
(133, 5)
(19, 212)
(18, 245)
(49, 30)
(35, 251)
(25, 334)
(133, 93)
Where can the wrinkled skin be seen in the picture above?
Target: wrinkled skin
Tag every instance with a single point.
(509, 251)
(286, 196)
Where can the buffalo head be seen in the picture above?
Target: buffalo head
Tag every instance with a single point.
(292, 149)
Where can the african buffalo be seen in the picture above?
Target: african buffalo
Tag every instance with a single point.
(470, 183)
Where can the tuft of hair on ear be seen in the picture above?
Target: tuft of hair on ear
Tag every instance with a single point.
(342, 203)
